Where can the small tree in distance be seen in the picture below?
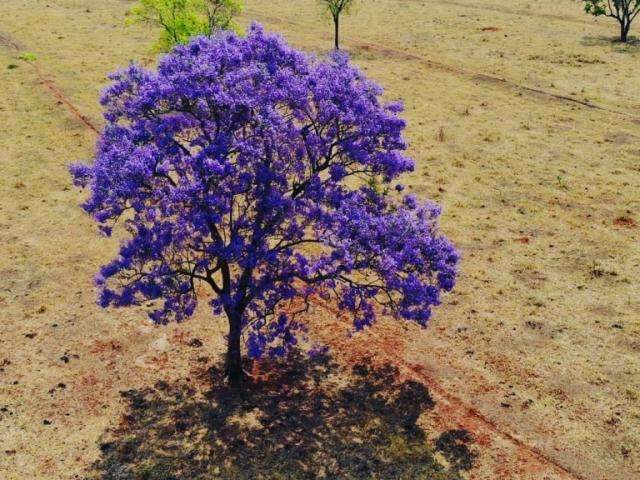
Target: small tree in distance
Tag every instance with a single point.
(182, 19)
(265, 175)
(220, 14)
(335, 9)
(624, 11)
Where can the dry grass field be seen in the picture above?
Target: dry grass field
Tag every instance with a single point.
(524, 119)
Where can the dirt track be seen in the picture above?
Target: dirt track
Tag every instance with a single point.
(477, 76)
(49, 84)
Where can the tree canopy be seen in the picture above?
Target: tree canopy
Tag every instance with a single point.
(182, 19)
(268, 176)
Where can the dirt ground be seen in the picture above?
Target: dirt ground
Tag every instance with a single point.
(524, 119)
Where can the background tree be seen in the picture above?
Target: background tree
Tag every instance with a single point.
(335, 9)
(182, 19)
(250, 168)
(624, 11)
(220, 14)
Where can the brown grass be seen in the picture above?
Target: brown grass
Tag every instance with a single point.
(534, 353)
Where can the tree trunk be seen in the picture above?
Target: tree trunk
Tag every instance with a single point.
(234, 370)
(336, 24)
(624, 31)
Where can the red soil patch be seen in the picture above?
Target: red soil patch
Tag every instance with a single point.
(625, 221)
(100, 346)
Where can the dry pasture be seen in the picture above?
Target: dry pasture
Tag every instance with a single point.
(524, 119)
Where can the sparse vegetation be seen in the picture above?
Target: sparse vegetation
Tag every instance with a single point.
(28, 57)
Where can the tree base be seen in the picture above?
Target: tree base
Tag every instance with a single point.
(235, 376)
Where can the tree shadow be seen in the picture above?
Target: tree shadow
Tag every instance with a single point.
(631, 46)
(308, 418)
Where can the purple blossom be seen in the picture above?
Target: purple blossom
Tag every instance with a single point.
(255, 169)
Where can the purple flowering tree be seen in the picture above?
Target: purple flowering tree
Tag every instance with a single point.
(266, 175)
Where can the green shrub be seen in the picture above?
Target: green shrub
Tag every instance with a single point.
(28, 57)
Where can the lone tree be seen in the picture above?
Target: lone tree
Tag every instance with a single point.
(624, 11)
(267, 176)
(335, 9)
(182, 19)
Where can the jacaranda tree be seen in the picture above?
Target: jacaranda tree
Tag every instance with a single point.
(267, 176)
